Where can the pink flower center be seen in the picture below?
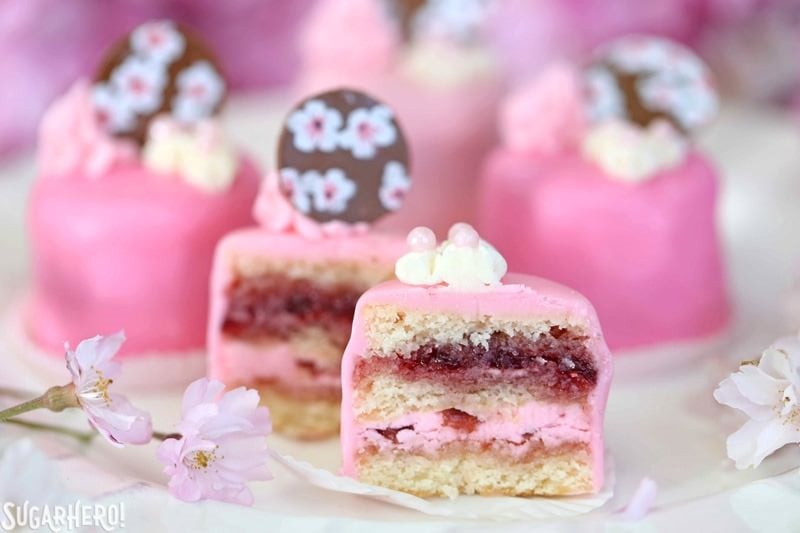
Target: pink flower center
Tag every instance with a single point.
(366, 131)
(197, 91)
(137, 85)
(155, 38)
(315, 126)
(329, 191)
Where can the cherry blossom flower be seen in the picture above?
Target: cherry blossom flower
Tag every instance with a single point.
(769, 394)
(296, 187)
(200, 90)
(93, 372)
(222, 444)
(140, 83)
(159, 41)
(395, 185)
(315, 127)
(367, 130)
(332, 191)
(113, 113)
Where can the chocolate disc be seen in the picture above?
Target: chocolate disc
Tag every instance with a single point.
(642, 79)
(454, 20)
(159, 67)
(343, 156)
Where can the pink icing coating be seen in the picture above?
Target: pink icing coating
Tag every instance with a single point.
(552, 423)
(276, 214)
(647, 255)
(231, 360)
(132, 250)
(519, 296)
(71, 142)
(546, 115)
(354, 35)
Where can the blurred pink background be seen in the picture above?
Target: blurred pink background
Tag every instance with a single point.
(752, 45)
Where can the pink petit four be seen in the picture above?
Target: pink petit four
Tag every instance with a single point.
(283, 295)
(597, 186)
(136, 185)
(429, 62)
(459, 379)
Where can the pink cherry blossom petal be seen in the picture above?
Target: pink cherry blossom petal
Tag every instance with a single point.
(112, 415)
(222, 444)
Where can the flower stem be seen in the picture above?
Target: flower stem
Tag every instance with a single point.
(81, 436)
(164, 436)
(30, 405)
(55, 399)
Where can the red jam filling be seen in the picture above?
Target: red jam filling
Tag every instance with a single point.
(277, 306)
(558, 365)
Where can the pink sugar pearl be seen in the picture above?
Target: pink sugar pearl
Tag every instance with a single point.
(464, 235)
(421, 239)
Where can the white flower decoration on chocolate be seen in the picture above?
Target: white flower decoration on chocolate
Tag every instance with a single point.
(113, 113)
(315, 127)
(630, 153)
(158, 40)
(200, 89)
(603, 99)
(671, 80)
(140, 84)
(367, 130)
(464, 261)
(296, 186)
(330, 191)
(395, 185)
(768, 392)
(457, 20)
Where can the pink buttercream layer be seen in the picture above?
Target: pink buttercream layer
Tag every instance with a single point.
(647, 255)
(449, 131)
(234, 360)
(534, 422)
(130, 251)
(246, 362)
(520, 296)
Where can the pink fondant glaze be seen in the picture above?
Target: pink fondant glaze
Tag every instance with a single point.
(519, 296)
(129, 251)
(647, 255)
(72, 142)
(551, 424)
(229, 361)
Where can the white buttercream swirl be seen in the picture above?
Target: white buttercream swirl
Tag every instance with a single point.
(633, 154)
(199, 155)
(459, 265)
(442, 64)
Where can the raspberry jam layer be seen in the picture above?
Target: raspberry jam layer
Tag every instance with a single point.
(557, 365)
(278, 306)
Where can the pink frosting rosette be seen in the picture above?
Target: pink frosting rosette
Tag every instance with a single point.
(71, 141)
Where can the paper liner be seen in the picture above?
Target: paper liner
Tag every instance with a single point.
(469, 507)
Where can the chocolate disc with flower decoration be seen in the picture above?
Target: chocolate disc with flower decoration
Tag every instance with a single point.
(642, 79)
(456, 20)
(342, 156)
(159, 68)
